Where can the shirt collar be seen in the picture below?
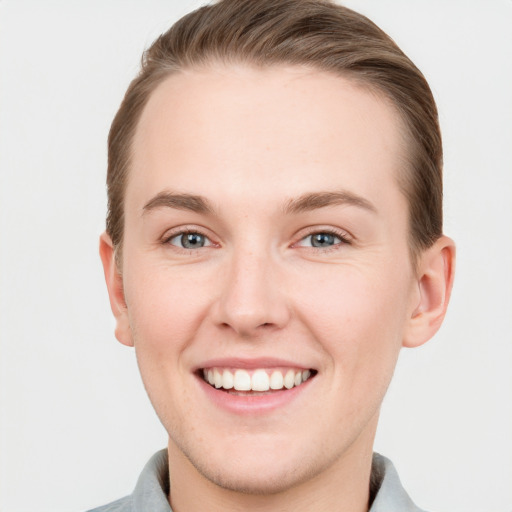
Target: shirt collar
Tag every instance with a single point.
(389, 494)
(152, 487)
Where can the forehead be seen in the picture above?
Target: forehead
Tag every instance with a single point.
(266, 131)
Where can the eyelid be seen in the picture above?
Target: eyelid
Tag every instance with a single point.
(345, 237)
(207, 241)
(183, 230)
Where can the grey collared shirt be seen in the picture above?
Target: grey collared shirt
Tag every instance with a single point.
(150, 493)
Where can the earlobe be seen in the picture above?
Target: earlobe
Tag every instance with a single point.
(114, 283)
(436, 270)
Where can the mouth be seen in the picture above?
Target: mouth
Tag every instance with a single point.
(260, 381)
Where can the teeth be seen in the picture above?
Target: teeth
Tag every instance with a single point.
(276, 380)
(217, 378)
(227, 380)
(289, 379)
(260, 380)
(242, 381)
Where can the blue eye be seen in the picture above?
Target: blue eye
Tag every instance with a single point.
(190, 240)
(321, 240)
(324, 240)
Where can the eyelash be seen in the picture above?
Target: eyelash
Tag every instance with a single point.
(344, 238)
(185, 231)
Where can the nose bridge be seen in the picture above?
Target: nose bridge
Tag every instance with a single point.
(251, 294)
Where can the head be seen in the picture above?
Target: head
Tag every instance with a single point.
(314, 33)
(274, 217)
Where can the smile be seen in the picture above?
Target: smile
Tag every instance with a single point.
(259, 380)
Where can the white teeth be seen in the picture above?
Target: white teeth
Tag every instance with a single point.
(227, 380)
(289, 379)
(276, 380)
(260, 380)
(217, 378)
(242, 381)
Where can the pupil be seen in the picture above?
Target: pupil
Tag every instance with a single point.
(192, 240)
(322, 240)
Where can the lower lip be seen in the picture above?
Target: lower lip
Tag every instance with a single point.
(253, 403)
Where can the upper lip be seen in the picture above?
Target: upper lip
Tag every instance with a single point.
(250, 363)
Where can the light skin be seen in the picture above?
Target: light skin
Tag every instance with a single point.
(286, 182)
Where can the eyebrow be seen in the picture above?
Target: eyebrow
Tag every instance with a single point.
(188, 202)
(316, 200)
(301, 204)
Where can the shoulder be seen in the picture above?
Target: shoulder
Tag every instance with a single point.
(150, 492)
(386, 488)
(120, 505)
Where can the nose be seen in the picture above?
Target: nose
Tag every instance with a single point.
(253, 296)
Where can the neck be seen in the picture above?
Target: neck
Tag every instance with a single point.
(343, 486)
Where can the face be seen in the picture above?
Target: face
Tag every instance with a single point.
(266, 251)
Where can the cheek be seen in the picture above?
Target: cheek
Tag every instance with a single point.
(166, 306)
(358, 317)
(358, 321)
(166, 309)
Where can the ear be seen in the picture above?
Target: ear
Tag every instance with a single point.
(114, 282)
(436, 268)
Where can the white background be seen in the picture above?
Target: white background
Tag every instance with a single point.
(76, 426)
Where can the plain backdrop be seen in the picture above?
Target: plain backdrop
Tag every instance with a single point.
(76, 426)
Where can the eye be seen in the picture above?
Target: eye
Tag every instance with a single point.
(322, 240)
(189, 240)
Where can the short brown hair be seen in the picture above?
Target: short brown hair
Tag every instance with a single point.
(315, 33)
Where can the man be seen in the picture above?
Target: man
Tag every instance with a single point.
(274, 237)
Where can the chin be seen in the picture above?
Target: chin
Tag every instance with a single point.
(264, 479)
(259, 468)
